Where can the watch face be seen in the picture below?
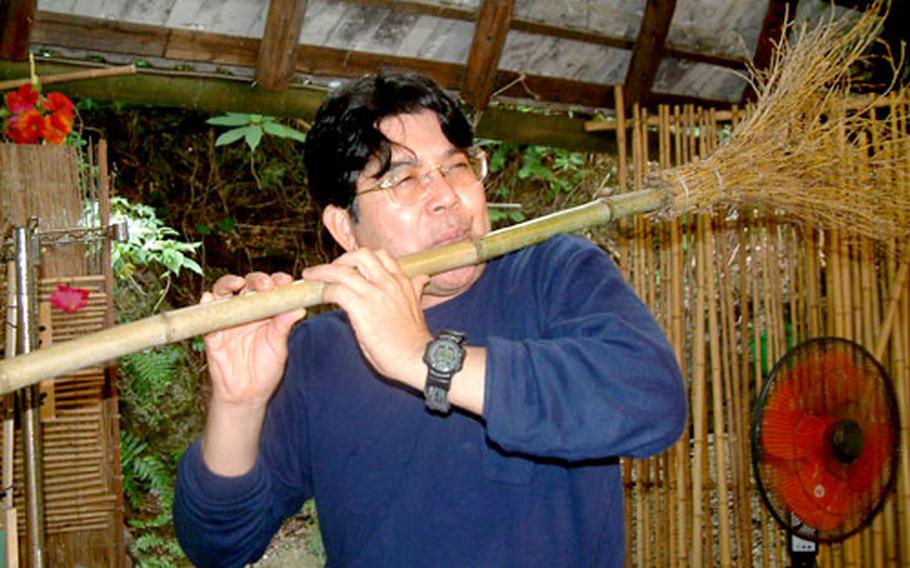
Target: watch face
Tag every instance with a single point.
(445, 356)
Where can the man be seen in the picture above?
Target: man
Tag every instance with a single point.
(474, 418)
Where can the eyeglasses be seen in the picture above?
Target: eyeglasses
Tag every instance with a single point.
(409, 184)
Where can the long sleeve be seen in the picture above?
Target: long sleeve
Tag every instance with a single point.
(229, 521)
(599, 381)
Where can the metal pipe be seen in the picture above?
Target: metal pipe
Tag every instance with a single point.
(27, 253)
(9, 426)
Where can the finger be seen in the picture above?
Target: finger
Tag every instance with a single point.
(390, 264)
(207, 297)
(344, 274)
(259, 281)
(284, 322)
(227, 285)
(281, 278)
(419, 282)
(383, 272)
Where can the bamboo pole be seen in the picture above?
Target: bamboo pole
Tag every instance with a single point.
(97, 73)
(678, 338)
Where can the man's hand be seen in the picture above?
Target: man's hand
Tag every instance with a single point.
(246, 364)
(383, 306)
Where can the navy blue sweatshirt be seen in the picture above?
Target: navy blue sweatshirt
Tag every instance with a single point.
(578, 373)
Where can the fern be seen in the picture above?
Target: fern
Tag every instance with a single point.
(150, 375)
(143, 475)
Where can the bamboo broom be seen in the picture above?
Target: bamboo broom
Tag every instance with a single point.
(781, 157)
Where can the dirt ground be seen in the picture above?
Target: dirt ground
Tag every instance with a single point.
(297, 545)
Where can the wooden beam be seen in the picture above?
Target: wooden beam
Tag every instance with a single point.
(777, 15)
(217, 94)
(16, 18)
(98, 34)
(649, 50)
(186, 46)
(490, 32)
(278, 50)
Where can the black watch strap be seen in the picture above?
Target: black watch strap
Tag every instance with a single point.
(444, 356)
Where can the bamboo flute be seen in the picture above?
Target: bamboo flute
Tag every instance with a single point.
(62, 358)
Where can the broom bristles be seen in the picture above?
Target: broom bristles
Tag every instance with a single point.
(796, 151)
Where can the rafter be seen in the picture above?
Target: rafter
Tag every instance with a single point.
(187, 46)
(490, 33)
(650, 46)
(278, 49)
(777, 14)
(16, 18)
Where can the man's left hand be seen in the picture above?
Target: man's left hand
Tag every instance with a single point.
(383, 305)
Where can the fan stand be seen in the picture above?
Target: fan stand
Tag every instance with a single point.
(803, 552)
(825, 440)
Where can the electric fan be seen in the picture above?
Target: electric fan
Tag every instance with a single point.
(825, 439)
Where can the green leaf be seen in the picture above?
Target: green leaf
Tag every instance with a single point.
(230, 119)
(253, 136)
(283, 131)
(232, 135)
(227, 224)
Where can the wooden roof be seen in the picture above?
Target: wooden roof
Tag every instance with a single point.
(568, 54)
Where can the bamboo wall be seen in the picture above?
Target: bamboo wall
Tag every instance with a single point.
(734, 290)
(83, 503)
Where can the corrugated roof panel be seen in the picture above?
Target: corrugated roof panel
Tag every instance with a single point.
(678, 77)
(568, 59)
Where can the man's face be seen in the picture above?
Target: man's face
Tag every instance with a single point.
(446, 214)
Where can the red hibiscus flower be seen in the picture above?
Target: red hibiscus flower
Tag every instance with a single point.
(22, 100)
(58, 103)
(33, 117)
(69, 299)
(24, 128)
(55, 127)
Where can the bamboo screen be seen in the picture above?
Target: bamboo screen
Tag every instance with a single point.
(733, 291)
(83, 508)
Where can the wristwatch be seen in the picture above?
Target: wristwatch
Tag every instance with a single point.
(444, 357)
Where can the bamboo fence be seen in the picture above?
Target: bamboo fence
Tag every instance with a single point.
(734, 289)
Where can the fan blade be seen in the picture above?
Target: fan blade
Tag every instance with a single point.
(799, 501)
(868, 467)
(793, 435)
(829, 491)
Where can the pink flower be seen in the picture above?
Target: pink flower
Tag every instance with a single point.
(69, 299)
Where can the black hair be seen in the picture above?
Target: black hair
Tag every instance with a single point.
(345, 134)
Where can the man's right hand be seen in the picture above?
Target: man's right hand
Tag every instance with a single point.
(246, 363)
